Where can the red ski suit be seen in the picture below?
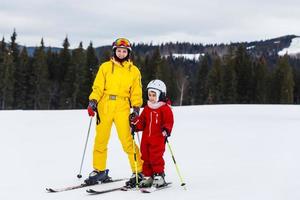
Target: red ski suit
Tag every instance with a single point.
(152, 121)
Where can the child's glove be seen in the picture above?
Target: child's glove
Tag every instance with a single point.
(166, 134)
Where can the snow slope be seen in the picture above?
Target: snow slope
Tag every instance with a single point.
(293, 49)
(224, 152)
(187, 56)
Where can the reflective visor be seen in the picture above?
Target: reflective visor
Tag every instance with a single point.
(121, 42)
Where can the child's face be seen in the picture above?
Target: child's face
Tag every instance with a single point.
(152, 96)
(121, 52)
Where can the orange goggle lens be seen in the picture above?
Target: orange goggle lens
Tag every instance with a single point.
(122, 42)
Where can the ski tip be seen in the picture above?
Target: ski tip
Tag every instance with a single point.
(144, 191)
(124, 188)
(90, 191)
(50, 190)
(184, 186)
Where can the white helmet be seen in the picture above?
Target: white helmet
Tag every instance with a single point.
(159, 88)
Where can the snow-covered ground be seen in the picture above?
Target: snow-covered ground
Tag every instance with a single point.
(293, 49)
(224, 152)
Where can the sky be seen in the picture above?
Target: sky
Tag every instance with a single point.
(155, 21)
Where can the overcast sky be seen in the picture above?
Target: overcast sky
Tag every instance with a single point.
(209, 21)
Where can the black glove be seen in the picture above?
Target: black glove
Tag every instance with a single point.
(166, 134)
(132, 119)
(134, 114)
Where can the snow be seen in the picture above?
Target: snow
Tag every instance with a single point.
(251, 47)
(293, 49)
(188, 56)
(224, 152)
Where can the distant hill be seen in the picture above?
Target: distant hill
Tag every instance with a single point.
(269, 47)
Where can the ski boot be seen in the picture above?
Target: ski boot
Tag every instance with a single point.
(159, 180)
(132, 181)
(96, 177)
(146, 182)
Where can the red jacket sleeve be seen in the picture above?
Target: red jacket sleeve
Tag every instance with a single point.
(168, 119)
(141, 121)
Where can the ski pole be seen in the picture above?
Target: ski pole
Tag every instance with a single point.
(177, 169)
(86, 141)
(139, 140)
(135, 161)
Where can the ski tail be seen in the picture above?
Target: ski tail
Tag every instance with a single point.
(53, 190)
(154, 189)
(94, 192)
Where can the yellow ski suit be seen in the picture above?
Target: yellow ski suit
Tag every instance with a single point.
(115, 88)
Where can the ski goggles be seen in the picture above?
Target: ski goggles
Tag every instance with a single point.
(122, 42)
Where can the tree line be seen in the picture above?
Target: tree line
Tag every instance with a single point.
(62, 79)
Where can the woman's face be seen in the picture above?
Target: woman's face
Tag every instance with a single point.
(121, 53)
(152, 96)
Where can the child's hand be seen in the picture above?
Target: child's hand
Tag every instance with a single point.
(165, 133)
(133, 123)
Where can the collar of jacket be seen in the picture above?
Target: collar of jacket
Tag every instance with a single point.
(156, 105)
(124, 64)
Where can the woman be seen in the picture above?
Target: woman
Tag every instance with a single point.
(116, 88)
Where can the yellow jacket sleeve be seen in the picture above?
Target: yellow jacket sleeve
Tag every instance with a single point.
(98, 86)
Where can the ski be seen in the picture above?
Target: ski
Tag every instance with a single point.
(94, 192)
(51, 190)
(126, 188)
(154, 189)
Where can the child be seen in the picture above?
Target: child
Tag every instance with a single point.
(156, 122)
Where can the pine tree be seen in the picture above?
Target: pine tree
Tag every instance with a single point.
(284, 81)
(66, 80)
(215, 82)
(14, 50)
(166, 74)
(79, 96)
(90, 72)
(92, 62)
(260, 73)
(2, 54)
(40, 78)
(22, 82)
(7, 81)
(201, 88)
(53, 63)
(229, 93)
(244, 76)
(149, 70)
(18, 74)
(105, 56)
(297, 85)
(2, 49)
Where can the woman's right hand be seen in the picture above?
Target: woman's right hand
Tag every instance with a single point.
(92, 107)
